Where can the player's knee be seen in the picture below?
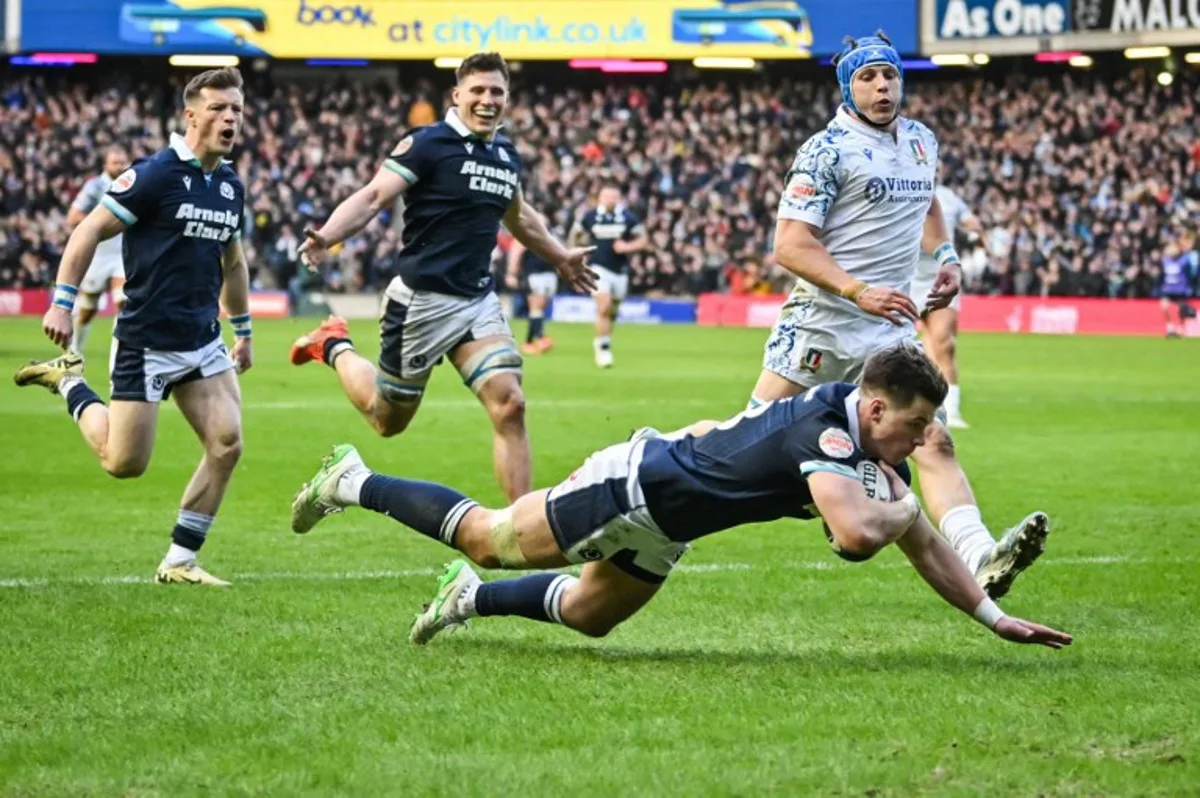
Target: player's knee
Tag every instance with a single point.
(938, 443)
(226, 449)
(591, 624)
(126, 468)
(390, 426)
(507, 408)
(475, 542)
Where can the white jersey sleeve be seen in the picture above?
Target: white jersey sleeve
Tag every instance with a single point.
(954, 210)
(89, 196)
(814, 181)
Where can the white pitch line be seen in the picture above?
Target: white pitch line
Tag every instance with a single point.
(408, 573)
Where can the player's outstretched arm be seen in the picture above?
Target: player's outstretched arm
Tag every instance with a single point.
(798, 250)
(235, 299)
(99, 225)
(942, 569)
(527, 227)
(860, 525)
(355, 212)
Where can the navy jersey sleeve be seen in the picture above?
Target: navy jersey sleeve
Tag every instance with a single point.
(134, 194)
(634, 228)
(415, 156)
(822, 443)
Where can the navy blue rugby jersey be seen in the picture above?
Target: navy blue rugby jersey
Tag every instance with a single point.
(755, 466)
(179, 222)
(460, 187)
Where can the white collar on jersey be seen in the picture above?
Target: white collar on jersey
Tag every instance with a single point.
(847, 119)
(181, 148)
(460, 127)
(852, 415)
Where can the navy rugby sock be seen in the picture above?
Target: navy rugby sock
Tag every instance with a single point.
(431, 509)
(333, 348)
(79, 397)
(536, 325)
(537, 597)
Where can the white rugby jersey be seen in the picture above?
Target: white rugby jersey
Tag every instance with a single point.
(869, 195)
(88, 198)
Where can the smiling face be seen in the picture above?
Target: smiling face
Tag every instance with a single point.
(480, 98)
(216, 117)
(876, 91)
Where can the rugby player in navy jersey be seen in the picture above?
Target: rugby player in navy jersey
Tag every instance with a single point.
(541, 284)
(615, 233)
(181, 212)
(460, 179)
(631, 511)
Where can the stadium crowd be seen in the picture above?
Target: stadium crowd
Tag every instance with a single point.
(1082, 183)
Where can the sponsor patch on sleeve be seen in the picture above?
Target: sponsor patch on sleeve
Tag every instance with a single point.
(124, 181)
(836, 443)
(404, 146)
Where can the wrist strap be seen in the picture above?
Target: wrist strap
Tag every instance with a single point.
(241, 325)
(945, 254)
(913, 504)
(64, 296)
(854, 290)
(988, 614)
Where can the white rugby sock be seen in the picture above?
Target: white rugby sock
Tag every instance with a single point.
(953, 401)
(178, 555)
(963, 529)
(466, 601)
(349, 487)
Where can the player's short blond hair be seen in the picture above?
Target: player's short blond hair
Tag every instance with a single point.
(219, 79)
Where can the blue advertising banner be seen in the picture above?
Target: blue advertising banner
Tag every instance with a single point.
(409, 29)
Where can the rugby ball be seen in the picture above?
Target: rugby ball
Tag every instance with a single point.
(876, 484)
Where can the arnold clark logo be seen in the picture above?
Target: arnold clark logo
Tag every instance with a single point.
(978, 19)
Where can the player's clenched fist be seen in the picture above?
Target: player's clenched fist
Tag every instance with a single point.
(313, 249)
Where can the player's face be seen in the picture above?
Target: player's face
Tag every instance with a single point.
(896, 431)
(115, 163)
(480, 99)
(876, 92)
(609, 197)
(217, 114)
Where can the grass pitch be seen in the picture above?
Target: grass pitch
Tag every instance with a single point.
(765, 665)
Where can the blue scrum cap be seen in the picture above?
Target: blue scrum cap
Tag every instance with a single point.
(864, 52)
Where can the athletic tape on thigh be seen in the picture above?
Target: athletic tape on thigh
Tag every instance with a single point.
(396, 391)
(504, 540)
(498, 357)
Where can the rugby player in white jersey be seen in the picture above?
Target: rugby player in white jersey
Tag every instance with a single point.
(941, 324)
(107, 270)
(857, 208)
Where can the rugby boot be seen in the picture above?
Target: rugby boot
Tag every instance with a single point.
(311, 346)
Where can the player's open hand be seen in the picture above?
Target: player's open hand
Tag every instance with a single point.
(574, 269)
(1016, 630)
(893, 305)
(243, 355)
(58, 326)
(945, 287)
(313, 249)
